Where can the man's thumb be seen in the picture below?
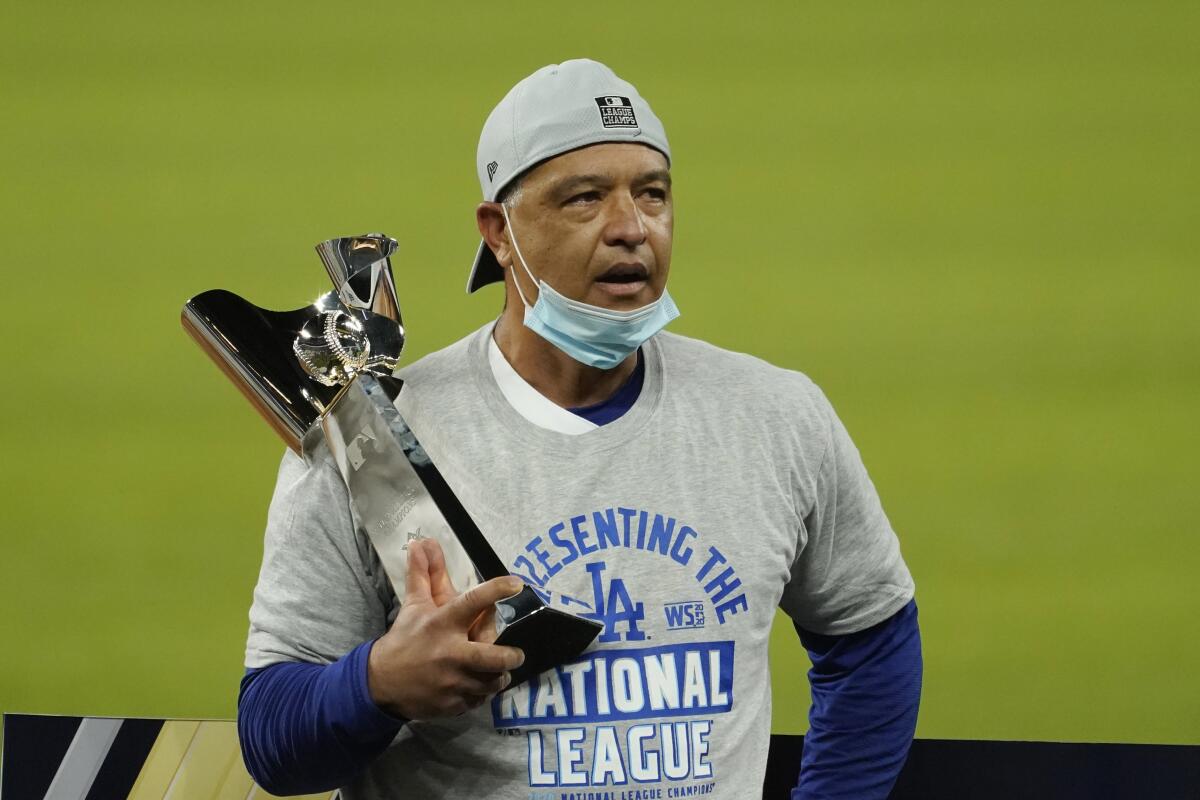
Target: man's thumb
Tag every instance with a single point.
(471, 603)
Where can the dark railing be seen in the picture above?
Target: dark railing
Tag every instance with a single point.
(964, 769)
(937, 769)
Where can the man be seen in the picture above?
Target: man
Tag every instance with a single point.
(675, 492)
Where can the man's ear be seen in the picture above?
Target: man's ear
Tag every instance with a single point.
(490, 221)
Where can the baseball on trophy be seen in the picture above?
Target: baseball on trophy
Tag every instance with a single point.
(332, 347)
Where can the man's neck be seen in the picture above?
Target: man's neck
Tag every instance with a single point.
(554, 374)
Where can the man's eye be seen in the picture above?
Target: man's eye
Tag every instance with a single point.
(656, 193)
(584, 197)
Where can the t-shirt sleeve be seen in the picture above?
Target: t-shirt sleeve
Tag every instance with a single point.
(848, 573)
(321, 591)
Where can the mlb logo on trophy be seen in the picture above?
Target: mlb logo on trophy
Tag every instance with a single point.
(616, 112)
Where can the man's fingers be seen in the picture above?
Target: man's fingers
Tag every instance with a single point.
(483, 658)
(441, 588)
(484, 627)
(417, 585)
(467, 606)
(485, 683)
(470, 702)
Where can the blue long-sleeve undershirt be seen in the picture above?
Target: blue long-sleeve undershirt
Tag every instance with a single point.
(308, 728)
(866, 689)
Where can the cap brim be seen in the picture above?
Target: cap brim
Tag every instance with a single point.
(486, 270)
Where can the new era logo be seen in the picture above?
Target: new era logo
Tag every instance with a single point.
(492, 170)
(616, 112)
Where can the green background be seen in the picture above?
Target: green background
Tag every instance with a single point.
(975, 226)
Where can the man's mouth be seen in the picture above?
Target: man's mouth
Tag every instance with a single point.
(624, 273)
(623, 280)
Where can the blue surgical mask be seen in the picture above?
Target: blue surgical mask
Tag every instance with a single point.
(598, 337)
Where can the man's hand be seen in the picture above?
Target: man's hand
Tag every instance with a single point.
(439, 658)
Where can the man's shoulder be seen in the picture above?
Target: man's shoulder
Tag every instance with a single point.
(448, 365)
(704, 363)
(747, 394)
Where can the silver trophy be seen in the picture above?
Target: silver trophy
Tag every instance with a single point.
(325, 371)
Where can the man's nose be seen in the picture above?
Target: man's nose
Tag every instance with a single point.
(625, 228)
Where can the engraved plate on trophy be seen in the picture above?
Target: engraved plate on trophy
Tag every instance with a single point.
(324, 372)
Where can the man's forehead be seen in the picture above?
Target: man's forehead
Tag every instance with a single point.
(612, 160)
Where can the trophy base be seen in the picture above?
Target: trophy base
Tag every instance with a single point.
(547, 636)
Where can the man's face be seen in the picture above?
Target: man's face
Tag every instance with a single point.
(596, 224)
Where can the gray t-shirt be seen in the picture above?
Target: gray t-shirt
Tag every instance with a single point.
(730, 488)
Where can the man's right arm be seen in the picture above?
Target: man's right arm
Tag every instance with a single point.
(305, 721)
(309, 717)
(307, 728)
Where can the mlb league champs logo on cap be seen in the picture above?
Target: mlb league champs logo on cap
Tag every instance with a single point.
(616, 112)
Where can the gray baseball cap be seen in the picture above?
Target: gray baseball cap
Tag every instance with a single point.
(560, 107)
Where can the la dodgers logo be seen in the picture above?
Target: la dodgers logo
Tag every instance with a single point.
(617, 610)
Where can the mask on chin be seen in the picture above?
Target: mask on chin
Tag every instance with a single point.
(598, 337)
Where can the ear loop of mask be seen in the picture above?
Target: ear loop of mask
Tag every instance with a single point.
(513, 237)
